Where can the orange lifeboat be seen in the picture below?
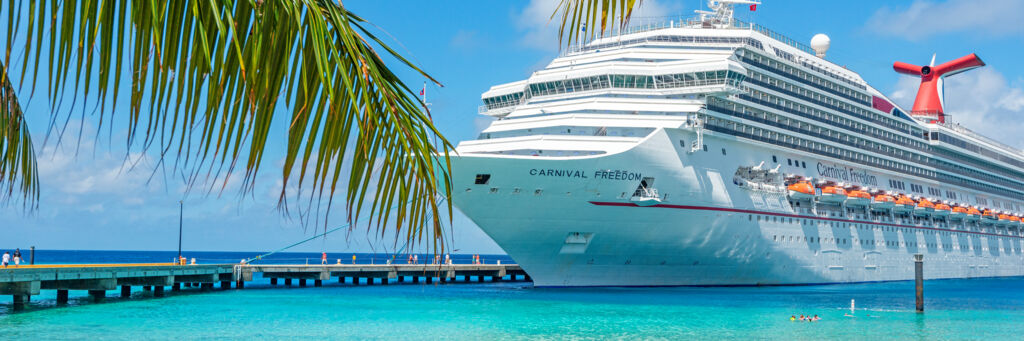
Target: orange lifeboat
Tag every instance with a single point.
(833, 194)
(989, 214)
(1014, 220)
(973, 214)
(958, 213)
(904, 204)
(1004, 219)
(924, 207)
(942, 210)
(883, 202)
(801, 190)
(858, 198)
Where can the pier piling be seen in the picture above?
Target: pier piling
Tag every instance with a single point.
(288, 282)
(302, 282)
(98, 295)
(62, 297)
(126, 291)
(318, 283)
(158, 291)
(225, 285)
(919, 281)
(273, 281)
(19, 301)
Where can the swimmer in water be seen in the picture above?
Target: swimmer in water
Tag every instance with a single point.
(815, 318)
(792, 317)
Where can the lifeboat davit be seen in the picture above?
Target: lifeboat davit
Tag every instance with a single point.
(942, 210)
(924, 207)
(904, 204)
(801, 190)
(833, 194)
(973, 214)
(883, 202)
(858, 198)
(958, 213)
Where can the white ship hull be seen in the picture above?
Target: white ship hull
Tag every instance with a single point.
(571, 222)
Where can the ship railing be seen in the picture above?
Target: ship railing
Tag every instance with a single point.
(639, 25)
(932, 119)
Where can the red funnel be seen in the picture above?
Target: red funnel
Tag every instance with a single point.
(929, 96)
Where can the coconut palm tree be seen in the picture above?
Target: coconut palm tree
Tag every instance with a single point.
(206, 79)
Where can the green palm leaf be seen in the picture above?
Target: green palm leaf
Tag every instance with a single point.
(206, 79)
(592, 15)
(18, 174)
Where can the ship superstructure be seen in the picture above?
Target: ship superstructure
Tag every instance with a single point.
(710, 151)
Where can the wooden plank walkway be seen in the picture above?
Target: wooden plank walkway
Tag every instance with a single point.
(27, 280)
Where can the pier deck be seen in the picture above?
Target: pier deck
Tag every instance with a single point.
(27, 280)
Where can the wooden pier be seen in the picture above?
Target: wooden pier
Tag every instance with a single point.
(25, 281)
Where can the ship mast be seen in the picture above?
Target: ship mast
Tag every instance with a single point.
(721, 13)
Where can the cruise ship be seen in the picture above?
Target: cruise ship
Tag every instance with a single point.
(710, 151)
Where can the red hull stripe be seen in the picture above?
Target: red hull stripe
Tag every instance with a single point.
(737, 210)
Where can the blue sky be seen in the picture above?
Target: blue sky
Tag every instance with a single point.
(90, 201)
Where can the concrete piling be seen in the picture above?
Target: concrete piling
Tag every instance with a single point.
(158, 291)
(919, 281)
(225, 285)
(302, 282)
(176, 287)
(62, 297)
(273, 281)
(147, 288)
(19, 301)
(126, 291)
(318, 283)
(98, 295)
(288, 282)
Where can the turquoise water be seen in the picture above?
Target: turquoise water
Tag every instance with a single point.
(956, 309)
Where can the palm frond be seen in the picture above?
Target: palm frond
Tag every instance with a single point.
(207, 78)
(18, 173)
(582, 20)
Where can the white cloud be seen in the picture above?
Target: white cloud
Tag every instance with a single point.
(927, 18)
(540, 31)
(981, 100)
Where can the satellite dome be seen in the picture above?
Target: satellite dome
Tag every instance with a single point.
(820, 43)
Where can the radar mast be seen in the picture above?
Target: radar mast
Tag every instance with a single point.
(721, 13)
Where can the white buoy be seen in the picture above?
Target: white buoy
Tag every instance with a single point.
(820, 44)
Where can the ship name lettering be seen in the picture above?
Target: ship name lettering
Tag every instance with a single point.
(564, 173)
(617, 175)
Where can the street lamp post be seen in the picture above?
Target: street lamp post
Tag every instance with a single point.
(181, 210)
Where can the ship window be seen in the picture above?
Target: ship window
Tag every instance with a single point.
(705, 148)
(723, 151)
(774, 159)
(789, 161)
(804, 164)
(482, 179)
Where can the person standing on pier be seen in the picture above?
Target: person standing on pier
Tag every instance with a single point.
(323, 258)
(7, 258)
(17, 257)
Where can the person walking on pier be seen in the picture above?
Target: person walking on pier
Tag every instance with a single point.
(17, 257)
(7, 258)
